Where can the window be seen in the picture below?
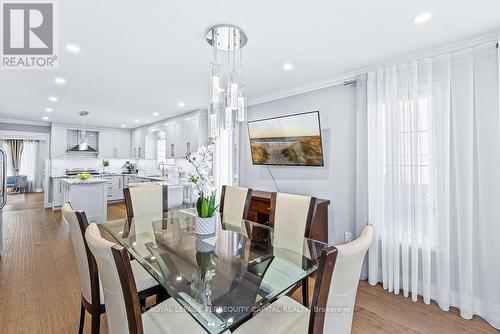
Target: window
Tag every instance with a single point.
(407, 141)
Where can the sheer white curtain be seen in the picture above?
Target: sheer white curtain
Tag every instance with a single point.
(433, 134)
(29, 159)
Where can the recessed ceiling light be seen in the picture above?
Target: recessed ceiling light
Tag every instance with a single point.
(180, 104)
(137, 120)
(73, 48)
(49, 110)
(53, 98)
(45, 118)
(422, 18)
(287, 66)
(60, 81)
(155, 114)
(123, 125)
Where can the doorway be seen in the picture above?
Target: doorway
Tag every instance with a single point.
(27, 161)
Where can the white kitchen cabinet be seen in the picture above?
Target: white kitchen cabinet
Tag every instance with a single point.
(138, 143)
(177, 138)
(171, 135)
(195, 135)
(150, 145)
(114, 187)
(184, 136)
(89, 197)
(114, 144)
(58, 142)
(107, 143)
(134, 179)
(122, 144)
(57, 193)
(143, 144)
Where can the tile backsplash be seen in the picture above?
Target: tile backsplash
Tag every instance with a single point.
(59, 166)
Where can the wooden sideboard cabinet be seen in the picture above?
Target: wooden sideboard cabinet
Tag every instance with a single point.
(260, 207)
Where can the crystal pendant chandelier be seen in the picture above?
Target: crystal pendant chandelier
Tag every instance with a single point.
(228, 103)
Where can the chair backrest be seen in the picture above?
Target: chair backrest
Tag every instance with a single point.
(337, 284)
(175, 196)
(145, 198)
(292, 213)
(235, 201)
(118, 284)
(12, 180)
(87, 267)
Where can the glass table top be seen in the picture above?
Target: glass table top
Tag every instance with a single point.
(219, 279)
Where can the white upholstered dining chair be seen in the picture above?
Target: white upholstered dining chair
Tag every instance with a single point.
(92, 297)
(291, 214)
(146, 198)
(123, 311)
(235, 201)
(334, 292)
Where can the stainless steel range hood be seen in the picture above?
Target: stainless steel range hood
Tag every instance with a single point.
(82, 138)
(83, 145)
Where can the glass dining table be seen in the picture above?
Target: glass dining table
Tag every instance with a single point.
(219, 279)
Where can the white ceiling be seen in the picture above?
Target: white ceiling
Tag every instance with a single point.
(140, 57)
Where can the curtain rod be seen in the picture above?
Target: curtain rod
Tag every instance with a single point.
(350, 82)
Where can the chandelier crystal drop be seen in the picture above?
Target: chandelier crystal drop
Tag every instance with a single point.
(228, 103)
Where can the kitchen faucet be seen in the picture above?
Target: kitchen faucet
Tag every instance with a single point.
(162, 166)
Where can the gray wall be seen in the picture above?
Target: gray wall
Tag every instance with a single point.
(337, 180)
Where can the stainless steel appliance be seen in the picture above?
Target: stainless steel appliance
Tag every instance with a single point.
(129, 168)
(3, 192)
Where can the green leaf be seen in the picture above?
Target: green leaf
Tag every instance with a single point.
(211, 204)
(204, 208)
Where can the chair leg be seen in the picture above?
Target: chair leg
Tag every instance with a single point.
(96, 323)
(82, 319)
(305, 292)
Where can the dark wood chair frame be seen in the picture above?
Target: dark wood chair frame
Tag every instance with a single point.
(247, 202)
(95, 308)
(128, 201)
(324, 276)
(311, 216)
(322, 290)
(132, 303)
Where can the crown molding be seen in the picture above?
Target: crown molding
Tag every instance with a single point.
(24, 135)
(339, 79)
(24, 122)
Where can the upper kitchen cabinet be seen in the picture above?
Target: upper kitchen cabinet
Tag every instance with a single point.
(58, 142)
(185, 134)
(143, 144)
(114, 144)
(122, 142)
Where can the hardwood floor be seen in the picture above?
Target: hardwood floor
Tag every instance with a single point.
(40, 293)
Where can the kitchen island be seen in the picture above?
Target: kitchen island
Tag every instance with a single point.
(87, 195)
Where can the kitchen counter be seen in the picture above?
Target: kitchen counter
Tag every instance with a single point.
(115, 184)
(90, 196)
(139, 175)
(92, 180)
